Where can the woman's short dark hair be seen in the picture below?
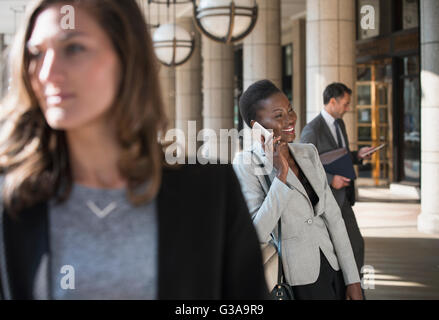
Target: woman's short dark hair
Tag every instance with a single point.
(335, 90)
(250, 101)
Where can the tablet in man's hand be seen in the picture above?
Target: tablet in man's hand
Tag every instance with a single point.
(374, 150)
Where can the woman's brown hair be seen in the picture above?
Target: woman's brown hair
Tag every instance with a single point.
(34, 158)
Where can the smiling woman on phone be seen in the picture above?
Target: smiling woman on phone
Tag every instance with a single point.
(85, 187)
(316, 253)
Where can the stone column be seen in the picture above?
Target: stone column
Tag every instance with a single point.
(167, 82)
(299, 73)
(188, 99)
(428, 220)
(218, 94)
(262, 53)
(330, 54)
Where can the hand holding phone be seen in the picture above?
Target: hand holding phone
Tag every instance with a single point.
(268, 136)
(272, 147)
(372, 150)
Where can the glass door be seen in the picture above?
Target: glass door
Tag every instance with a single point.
(374, 118)
(411, 146)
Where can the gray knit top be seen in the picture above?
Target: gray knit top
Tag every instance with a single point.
(102, 247)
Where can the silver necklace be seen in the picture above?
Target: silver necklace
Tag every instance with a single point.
(101, 213)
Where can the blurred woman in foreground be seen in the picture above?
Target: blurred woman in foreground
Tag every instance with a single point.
(90, 209)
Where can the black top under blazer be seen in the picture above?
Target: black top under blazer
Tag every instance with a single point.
(208, 247)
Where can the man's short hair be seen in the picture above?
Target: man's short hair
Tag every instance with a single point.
(335, 90)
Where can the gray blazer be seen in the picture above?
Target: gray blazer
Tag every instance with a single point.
(304, 229)
(318, 133)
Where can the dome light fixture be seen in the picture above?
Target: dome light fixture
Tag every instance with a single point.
(225, 21)
(169, 2)
(173, 44)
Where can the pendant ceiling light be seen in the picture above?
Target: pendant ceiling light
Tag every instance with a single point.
(173, 45)
(168, 2)
(225, 20)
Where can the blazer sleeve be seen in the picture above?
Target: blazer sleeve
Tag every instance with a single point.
(355, 159)
(354, 154)
(243, 270)
(308, 135)
(265, 209)
(337, 229)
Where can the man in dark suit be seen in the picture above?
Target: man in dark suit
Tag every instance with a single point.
(328, 132)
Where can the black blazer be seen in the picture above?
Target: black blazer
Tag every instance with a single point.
(208, 248)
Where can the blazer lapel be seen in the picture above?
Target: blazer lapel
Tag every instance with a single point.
(169, 206)
(345, 135)
(307, 167)
(292, 180)
(5, 289)
(304, 163)
(295, 183)
(309, 171)
(26, 274)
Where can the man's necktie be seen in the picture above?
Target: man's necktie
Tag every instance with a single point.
(338, 131)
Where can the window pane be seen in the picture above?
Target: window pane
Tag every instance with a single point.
(364, 98)
(364, 116)
(384, 72)
(382, 96)
(383, 134)
(411, 65)
(385, 14)
(383, 115)
(383, 154)
(364, 134)
(364, 74)
(364, 170)
(410, 17)
(412, 142)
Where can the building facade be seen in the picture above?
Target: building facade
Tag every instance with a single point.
(387, 51)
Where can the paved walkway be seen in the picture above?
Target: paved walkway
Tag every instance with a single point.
(405, 261)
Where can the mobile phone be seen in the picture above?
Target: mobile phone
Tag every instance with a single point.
(374, 150)
(268, 136)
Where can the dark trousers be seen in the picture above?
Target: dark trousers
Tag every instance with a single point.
(329, 285)
(357, 241)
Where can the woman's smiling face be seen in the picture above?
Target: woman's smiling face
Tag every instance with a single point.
(278, 114)
(74, 73)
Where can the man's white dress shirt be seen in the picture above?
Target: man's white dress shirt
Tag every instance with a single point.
(330, 122)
